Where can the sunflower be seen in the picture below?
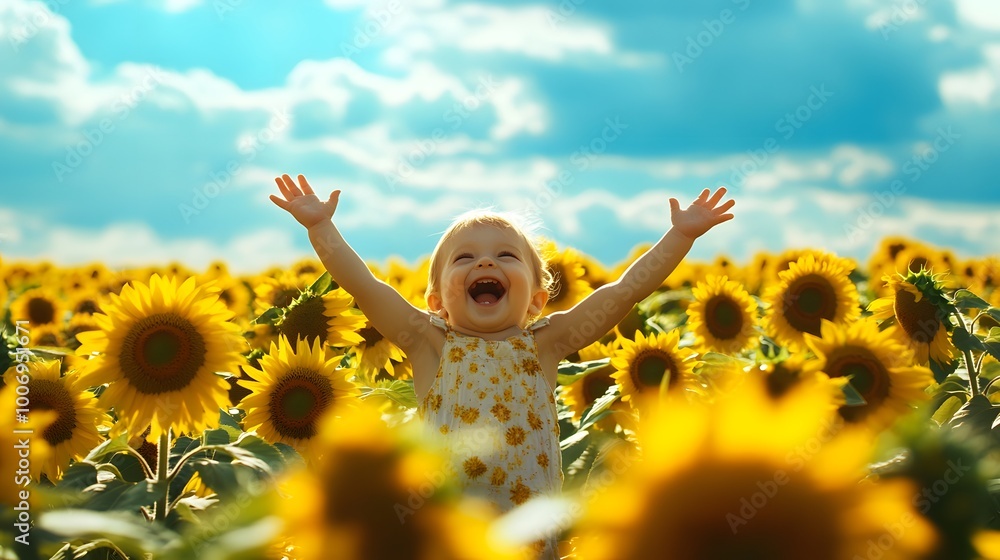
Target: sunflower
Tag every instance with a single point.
(880, 370)
(568, 276)
(641, 364)
(85, 302)
(46, 335)
(375, 492)
(815, 287)
(922, 325)
(329, 318)
(307, 269)
(747, 477)
(75, 431)
(376, 353)
(160, 346)
(39, 306)
(291, 390)
(722, 316)
(275, 292)
(12, 441)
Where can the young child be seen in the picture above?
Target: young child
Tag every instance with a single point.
(483, 372)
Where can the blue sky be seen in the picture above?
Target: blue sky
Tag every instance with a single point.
(145, 131)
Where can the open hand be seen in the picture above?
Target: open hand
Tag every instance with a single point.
(702, 215)
(303, 204)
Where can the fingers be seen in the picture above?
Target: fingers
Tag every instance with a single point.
(729, 204)
(716, 197)
(722, 218)
(282, 188)
(675, 206)
(290, 185)
(334, 199)
(281, 203)
(306, 189)
(703, 196)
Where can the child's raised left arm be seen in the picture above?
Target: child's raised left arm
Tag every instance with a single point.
(599, 312)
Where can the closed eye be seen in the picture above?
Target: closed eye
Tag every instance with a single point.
(508, 254)
(463, 256)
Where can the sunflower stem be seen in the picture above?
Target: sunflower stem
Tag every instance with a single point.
(970, 362)
(162, 475)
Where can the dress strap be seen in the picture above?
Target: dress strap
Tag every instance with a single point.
(538, 324)
(439, 322)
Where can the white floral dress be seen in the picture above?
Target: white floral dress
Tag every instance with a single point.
(498, 414)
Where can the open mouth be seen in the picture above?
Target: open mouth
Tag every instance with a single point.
(487, 291)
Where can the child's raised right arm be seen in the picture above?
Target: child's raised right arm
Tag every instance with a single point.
(389, 312)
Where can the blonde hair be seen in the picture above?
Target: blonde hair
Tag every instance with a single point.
(487, 217)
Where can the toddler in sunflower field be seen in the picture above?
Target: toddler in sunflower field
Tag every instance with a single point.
(484, 360)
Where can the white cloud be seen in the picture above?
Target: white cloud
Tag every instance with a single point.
(124, 245)
(530, 31)
(979, 13)
(978, 86)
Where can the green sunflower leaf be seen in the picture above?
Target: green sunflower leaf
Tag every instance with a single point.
(978, 414)
(966, 341)
(947, 410)
(570, 372)
(215, 437)
(942, 371)
(109, 447)
(600, 408)
(994, 312)
(322, 285)
(269, 317)
(965, 299)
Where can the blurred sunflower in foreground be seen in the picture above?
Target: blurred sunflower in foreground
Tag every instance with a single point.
(376, 492)
(160, 346)
(737, 483)
(74, 431)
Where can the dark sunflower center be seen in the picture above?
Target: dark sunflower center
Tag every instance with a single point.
(780, 380)
(649, 367)
(226, 297)
(47, 394)
(894, 249)
(162, 353)
(297, 402)
(869, 377)
(723, 317)
(41, 311)
(87, 306)
(306, 320)
(48, 339)
(596, 384)
(919, 319)
(371, 336)
(358, 496)
(808, 301)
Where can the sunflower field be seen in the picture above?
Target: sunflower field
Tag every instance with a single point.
(799, 406)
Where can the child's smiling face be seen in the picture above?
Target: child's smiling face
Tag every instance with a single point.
(487, 282)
